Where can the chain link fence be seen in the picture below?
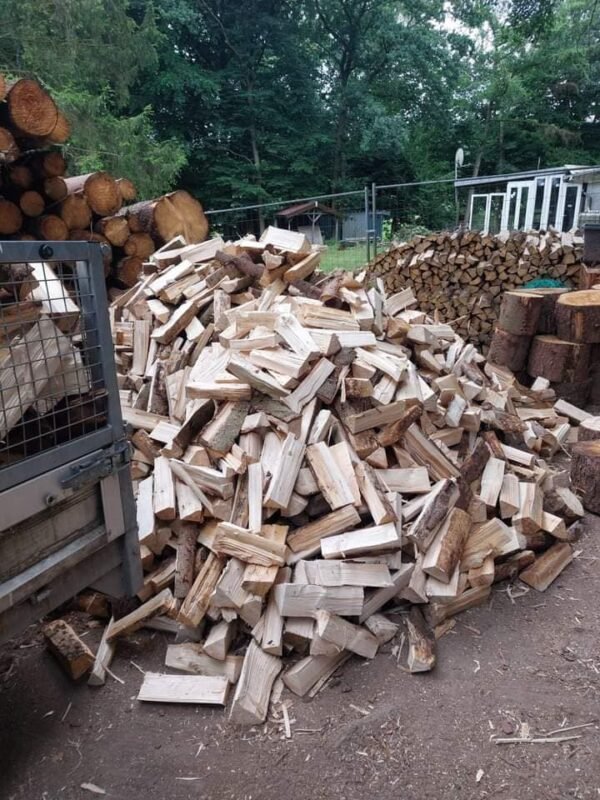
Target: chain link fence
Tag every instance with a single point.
(402, 210)
(338, 223)
(351, 227)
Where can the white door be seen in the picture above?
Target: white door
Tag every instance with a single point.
(487, 212)
(518, 208)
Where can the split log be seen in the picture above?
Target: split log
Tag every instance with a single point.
(585, 473)
(421, 642)
(548, 566)
(445, 552)
(73, 655)
(558, 360)
(253, 691)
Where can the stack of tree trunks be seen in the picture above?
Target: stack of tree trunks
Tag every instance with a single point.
(47, 395)
(38, 200)
(552, 335)
(462, 275)
(318, 464)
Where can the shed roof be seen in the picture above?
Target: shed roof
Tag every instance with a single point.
(482, 180)
(307, 207)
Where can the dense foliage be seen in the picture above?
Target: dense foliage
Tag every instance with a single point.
(249, 100)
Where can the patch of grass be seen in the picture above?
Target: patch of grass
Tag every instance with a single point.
(344, 258)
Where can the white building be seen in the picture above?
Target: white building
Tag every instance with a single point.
(540, 198)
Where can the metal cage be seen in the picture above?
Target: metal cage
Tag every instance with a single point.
(67, 514)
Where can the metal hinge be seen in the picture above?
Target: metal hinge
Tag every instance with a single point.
(99, 466)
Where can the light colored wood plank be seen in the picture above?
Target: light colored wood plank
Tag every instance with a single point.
(200, 689)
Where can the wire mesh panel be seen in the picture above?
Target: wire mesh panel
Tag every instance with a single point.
(337, 223)
(52, 383)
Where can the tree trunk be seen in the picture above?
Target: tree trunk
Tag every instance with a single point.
(11, 218)
(557, 360)
(32, 203)
(75, 212)
(585, 473)
(51, 227)
(127, 189)
(519, 313)
(9, 149)
(30, 109)
(115, 229)
(508, 350)
(175, 214)
(578, 316)
(139, 244)
(128, 270)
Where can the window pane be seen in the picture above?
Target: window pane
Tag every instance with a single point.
(512, 208)
(478, 214)
(539, 201)
(553, 202)
(523, 208)
(570, 209)
(497, 204)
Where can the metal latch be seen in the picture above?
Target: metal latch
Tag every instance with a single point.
(99, 466)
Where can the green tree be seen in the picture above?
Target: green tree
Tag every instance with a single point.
(93, 54)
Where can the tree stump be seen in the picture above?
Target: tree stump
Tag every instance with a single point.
(578, 316)
(557, 360)
(508, 350)
(547, 319)
(577, 393)
(520, 312)
(589, 430)
(585, 473)
(588, 277)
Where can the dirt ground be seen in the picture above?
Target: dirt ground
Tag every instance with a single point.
(373, 732)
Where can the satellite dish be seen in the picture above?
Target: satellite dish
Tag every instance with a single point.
(459, 157)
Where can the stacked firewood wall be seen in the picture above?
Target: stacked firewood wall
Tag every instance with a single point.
(38, 200)
(462, 275)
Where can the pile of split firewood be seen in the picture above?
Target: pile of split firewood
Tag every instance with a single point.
(37, 200)
(462, 275)
(309, 451)
(47, 395)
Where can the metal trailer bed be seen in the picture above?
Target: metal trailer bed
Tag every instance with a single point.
(67, 512)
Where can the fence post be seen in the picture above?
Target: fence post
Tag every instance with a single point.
(367, 231)
(374, 212)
